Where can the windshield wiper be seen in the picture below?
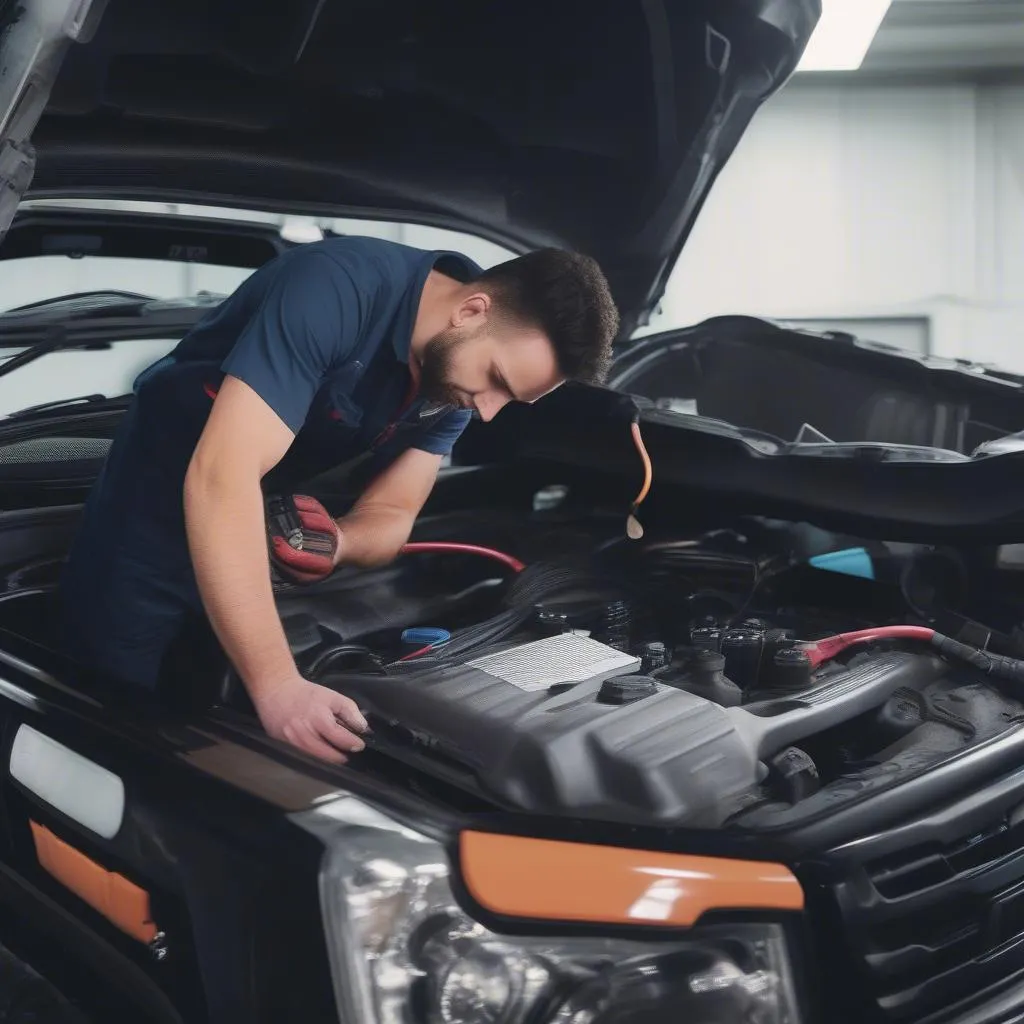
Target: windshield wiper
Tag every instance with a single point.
(83, 307)
(59, 403)
(153, 320)
(80, 303)
(54, 339)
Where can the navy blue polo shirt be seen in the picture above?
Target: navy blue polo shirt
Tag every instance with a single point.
(322, 335)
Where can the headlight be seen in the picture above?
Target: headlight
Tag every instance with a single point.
(403, 952)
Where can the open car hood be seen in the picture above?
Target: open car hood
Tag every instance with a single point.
(600, 127)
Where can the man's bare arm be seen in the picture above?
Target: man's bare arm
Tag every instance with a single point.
(380, 522)
(244, 439)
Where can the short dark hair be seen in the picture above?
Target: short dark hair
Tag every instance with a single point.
(565, 295)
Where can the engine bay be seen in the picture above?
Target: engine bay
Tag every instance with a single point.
(720, 671)
(750, 675)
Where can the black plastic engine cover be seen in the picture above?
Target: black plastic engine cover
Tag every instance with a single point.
(569, 751)
(534, 725)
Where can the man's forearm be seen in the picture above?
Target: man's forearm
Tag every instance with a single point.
(373, 535)
(227, 538)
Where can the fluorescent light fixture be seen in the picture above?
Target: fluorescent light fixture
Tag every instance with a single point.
(843, 34)
(294, 229)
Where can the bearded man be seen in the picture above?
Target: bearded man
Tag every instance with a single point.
(337, 351)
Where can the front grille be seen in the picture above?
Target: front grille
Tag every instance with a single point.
(938, 921)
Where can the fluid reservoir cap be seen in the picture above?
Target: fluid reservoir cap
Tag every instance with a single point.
(791, 670)
(626, 689)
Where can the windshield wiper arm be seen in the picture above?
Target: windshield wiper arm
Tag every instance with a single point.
(93, 334)
(59, 403)
(54, 339)
(77, 306)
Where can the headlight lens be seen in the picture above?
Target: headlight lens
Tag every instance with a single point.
(403, 951)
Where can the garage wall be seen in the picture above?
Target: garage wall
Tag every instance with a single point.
(876, 203)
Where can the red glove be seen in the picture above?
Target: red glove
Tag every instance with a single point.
(303, 538)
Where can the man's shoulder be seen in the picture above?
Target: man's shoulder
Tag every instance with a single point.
(354, 252)
(349, 266)
(364, 256)
(362, 245)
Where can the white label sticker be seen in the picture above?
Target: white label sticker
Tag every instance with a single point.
(567, 658)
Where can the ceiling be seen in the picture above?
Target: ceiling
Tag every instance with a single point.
(949, 38)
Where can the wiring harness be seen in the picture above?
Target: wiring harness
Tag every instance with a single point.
(997, 666)
(437, 546)
(531, 585)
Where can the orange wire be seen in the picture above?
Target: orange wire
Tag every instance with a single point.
(646, 459)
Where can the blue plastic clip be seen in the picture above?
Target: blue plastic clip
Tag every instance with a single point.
(426, 636)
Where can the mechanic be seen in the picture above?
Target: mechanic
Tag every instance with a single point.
(339, 351)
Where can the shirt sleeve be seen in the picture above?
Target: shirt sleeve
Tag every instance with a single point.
(441, 437)
(306, 323)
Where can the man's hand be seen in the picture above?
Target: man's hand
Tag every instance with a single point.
(304, 539)
(313, 718)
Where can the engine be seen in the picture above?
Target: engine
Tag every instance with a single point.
(724, 680)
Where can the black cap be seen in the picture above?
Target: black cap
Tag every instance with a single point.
(626, 689)
(653, 656)
(791, 670)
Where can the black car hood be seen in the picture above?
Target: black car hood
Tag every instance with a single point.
(596, 126)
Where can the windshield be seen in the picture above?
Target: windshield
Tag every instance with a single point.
(39, 278)
(63, 285)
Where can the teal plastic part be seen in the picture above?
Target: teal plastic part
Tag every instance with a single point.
(849, 561)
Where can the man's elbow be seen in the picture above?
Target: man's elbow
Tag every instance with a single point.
(373, 559)
(200, 480)
(377, 535)
(383, 551)
(210, 479)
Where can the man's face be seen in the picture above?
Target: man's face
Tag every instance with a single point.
(474, 367)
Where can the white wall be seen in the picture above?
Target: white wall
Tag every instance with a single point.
(871, 202)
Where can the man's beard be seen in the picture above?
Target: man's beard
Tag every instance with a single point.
(435, 368)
